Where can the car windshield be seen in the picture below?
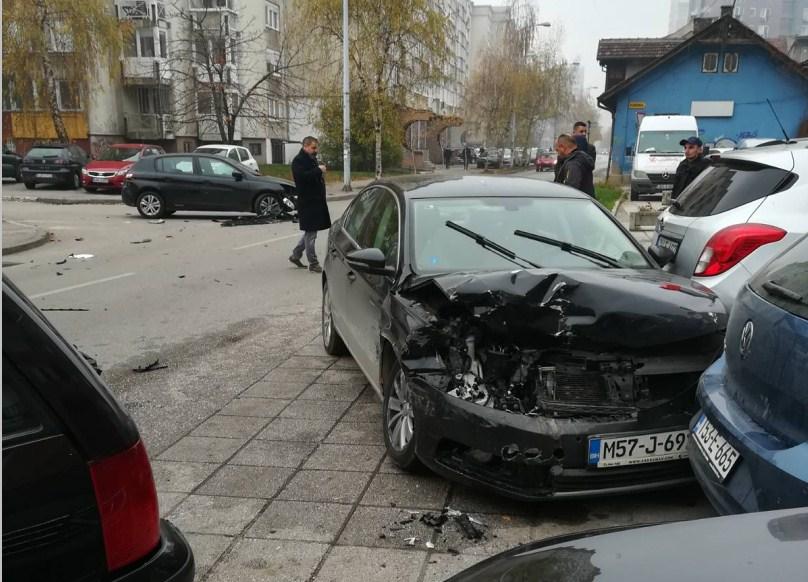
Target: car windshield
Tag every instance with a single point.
(439, 249)
(120, 155)
(662, 142)
(45, 152)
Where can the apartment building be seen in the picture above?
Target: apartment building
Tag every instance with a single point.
(771, 19)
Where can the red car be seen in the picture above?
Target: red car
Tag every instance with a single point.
(109, 170)
(545, 161)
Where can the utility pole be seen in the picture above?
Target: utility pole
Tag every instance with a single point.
(346, 103)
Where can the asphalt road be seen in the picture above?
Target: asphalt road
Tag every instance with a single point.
(193, 277)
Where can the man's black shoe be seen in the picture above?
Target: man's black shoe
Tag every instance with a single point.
(315, 269)
(297, 262)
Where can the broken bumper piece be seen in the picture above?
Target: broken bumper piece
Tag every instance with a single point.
(533, 457)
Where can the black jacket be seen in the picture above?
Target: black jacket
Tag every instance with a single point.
(576, 172)
(312, 209)
(686, 173)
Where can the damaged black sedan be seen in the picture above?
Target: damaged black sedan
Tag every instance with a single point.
(519, 337)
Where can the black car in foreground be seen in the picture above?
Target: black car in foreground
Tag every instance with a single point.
(519, 337)
(160, 185)
(53, 163)
(79, 501)
(743, 548)
(11, 166)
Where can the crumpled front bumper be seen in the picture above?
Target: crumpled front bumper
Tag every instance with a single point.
(532, 457)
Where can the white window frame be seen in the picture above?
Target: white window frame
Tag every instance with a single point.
(704, 68)
(737, 62)
(275, 107)
(273, 60)
(272, 16)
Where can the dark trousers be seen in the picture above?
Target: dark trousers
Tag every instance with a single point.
(306, 243)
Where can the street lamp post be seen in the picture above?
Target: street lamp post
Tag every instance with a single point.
(346, 104)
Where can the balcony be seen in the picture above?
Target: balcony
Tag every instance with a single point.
(146, 71)
(142, 11)
(213, 5)
(148, 126)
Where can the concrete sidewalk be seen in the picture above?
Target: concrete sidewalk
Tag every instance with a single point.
(18, 237)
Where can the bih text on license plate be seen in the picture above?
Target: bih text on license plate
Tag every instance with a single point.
(616, 451)
(720, 455)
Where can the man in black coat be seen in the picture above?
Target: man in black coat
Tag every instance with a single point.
(312, 209)
(576, 166)
(582, 129)
(689, 168)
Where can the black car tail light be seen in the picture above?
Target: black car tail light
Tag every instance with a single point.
(127, 502)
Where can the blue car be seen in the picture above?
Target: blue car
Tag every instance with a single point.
(749, 441)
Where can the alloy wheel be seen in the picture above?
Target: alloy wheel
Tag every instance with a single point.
(150, 205)
(400, 425)
(269, 206)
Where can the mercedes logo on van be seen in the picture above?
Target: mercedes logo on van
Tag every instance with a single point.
(746, 339)
(665, 176)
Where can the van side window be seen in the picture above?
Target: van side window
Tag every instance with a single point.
(19, 417)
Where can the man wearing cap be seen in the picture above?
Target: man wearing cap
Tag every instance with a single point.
(693, 165)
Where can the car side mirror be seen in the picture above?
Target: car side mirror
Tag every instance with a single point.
(238, 176)
(371, 261)
(662, 255)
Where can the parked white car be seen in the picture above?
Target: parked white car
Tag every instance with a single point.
(740, 213)
(236, 153)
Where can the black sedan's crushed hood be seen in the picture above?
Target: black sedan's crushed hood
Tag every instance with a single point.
(626, 309)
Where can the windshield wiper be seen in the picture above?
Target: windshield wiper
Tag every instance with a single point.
(570, 248)
(490, 245)
(782, 292)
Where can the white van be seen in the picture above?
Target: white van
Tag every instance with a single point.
(658, 153)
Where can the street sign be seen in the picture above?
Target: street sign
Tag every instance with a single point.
(636, 104)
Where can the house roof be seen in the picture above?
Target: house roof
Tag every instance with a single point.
(725, 29)
(635, 48)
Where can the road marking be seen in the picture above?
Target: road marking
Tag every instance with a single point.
(264, 242)
(87, 284)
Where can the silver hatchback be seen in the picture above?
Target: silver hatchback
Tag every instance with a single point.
(740, 213)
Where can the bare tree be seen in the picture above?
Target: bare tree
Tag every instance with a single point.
(226, 75)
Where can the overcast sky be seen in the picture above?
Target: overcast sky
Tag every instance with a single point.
(582, 23)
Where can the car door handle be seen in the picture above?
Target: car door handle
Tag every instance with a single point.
(351, 276)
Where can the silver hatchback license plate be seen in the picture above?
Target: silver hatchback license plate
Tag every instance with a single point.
(667, 243)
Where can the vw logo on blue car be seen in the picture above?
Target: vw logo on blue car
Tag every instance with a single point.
(746, 338)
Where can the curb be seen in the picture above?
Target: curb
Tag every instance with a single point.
(64, 201)
(31, 244)
(618, 204)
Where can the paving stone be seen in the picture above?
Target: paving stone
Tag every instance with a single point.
(301, 520)
(308, 362)
(253, 560)
(439, 567)
(215, 515)
(296, 429)
(328, 486)
(275, 389)
(295, 376)
(370, 395)
(411, 491)
(273, 454)
(345, 363)
(167, 501)
(220, 425)
(347, 392)
(364, 412)
(246, 481)
(207, 549)
(363, 433)
(263, 407)
(386, 527)
(342, 377)
(312, 350)
(202, 449)
(179, 476)
(315, 409)
(389, 466)
(502, 532)
(371, 565)
(345, 457)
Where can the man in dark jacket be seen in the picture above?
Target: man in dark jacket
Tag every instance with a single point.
(312, 209)
(576, 166)
(689, 168)
(582, 129)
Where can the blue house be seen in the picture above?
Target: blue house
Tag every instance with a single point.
(724, 74)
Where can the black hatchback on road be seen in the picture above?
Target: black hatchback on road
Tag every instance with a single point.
(53, 163)
(79, 501)
(161, 185)
(519, 337)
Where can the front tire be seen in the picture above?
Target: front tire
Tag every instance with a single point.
(151, 205)
(398, 419)
(268, 205)
(332, 342)
(76, 184)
